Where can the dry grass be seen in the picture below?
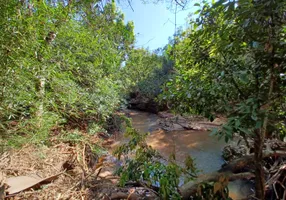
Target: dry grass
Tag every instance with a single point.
(85, 174)
(45, 161)
(77, 161)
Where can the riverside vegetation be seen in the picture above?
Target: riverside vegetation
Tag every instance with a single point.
(68, 68)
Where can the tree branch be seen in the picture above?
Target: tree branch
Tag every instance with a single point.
(129, 3)
(190, 188)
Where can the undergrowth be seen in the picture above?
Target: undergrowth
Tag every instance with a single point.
(144, 164)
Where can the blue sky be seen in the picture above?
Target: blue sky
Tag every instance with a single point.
(154, 23)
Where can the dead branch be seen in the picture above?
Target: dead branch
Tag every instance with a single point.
(246, 163)
(190, 188)
(121, 195)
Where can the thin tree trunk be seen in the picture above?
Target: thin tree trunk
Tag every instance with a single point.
(41, 96)
(259, 173)
(258, 149)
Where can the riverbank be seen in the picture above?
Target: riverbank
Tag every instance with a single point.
(75, 165)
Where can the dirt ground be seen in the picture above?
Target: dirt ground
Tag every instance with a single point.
(68, 170)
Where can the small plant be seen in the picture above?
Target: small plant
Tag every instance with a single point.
(94, 128)
(213, 190)
(144, 164)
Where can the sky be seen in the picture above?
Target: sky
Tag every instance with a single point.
(154, 23)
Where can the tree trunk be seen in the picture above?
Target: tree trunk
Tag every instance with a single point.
(259, 173)
(41, 96)
(258, 147)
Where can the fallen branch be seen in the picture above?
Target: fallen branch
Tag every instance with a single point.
(121, 195)
(190, 188)
(185, 127)
(246, 163)
(2, 187)
(277, 184)
(151, 188)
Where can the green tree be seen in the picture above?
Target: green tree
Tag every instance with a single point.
(140, 64)
(60, 60)
(231, 61)
(146, 72)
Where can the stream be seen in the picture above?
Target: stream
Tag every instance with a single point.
(204, 149)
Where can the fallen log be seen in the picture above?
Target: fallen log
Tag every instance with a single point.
(236, 169)
(246, 163)
(185, 127)
(190, 188)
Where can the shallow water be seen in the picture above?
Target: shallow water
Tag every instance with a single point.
(204, 149)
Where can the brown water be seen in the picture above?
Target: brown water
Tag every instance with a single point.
(204, 149)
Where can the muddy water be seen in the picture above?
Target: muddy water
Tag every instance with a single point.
(204, 149)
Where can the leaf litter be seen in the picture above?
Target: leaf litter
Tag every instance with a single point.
(63, 170)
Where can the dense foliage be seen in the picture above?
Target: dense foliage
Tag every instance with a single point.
(232, 62)
(146, 72)
(60, 61)
(63, 62)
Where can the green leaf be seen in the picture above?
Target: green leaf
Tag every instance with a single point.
(258, 124)
(244, 78)
(214, 132)
(227, 127)
(244, 130)
(197, 12)
(222, 73)
(218, 3)
(254, 117)
(237, 123)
